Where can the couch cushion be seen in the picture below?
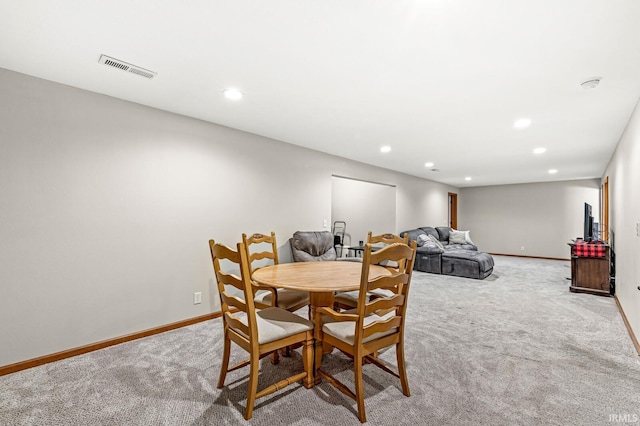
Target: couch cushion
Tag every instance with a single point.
(413, 234)
(430, 231)
(429, 248)
(468, 264)
(429, 261)
(428, 244)
(423, 239)
(460, 247)
(436, 241)
(443, 233)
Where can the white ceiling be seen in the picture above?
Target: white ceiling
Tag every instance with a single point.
(437, 80)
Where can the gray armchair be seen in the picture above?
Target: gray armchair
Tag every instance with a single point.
(310, 246)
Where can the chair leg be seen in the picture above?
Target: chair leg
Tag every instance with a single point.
(225, 361)
(357, 368)
(275, 358)
(402, 371)
(253, 384)
(317, 360)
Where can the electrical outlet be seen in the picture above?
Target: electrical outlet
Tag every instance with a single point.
(638, 229)
(325, 223)
(197, 298)
(521, 248)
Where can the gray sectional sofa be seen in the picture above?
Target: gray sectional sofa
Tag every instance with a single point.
(442, 252)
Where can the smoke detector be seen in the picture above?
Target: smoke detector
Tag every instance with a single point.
(125, 66)
(591, 83)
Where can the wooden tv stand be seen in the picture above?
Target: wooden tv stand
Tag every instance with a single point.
(591, 274)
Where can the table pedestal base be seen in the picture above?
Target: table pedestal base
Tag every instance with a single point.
(319, 300)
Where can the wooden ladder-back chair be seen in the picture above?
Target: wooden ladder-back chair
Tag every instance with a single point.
(259, 332)
(291, 300)
(349, 299)
(363, 332)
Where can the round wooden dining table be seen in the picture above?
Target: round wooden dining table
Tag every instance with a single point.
(321, 280)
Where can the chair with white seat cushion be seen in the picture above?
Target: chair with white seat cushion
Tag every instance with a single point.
(363, 331)
(259, 332)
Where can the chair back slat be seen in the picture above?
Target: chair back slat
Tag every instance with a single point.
(260, 255)
(234, 301)
(384, 303)
(229, 279)
(235, 323)
(388, 282)
(387, 239)
(258, 238)
(382, 326)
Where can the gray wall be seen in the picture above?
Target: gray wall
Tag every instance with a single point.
(106, 207)
(624, 209)
(541, 217)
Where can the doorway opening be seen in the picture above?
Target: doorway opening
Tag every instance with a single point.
(362, 206)
(453, 210)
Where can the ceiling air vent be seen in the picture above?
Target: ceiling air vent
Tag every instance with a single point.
(125, 66)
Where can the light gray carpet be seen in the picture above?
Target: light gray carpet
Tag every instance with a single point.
(516, 348)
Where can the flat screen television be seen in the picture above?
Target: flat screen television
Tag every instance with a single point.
(588, 222)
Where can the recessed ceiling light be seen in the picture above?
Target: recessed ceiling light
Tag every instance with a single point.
(540, 150)
(521, 123)
(552, 171)
(467, 178)
(385, 148)
(429, 164)
(233, 94)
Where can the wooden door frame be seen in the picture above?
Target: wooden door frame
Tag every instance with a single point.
(452, 205)
(604, 226)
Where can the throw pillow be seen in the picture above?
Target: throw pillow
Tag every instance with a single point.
(467, 238)
(422, 239)
(436, 241)
(457, 237)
